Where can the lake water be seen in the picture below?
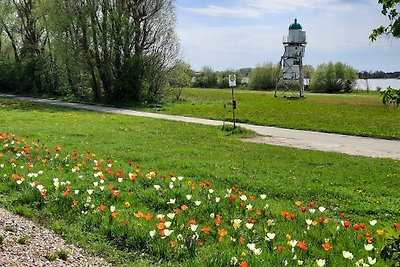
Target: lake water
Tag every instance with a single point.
(375, 83)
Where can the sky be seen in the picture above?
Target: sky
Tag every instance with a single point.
(234, 34)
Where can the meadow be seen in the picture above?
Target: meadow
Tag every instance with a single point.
(143, 192)
(360, 114)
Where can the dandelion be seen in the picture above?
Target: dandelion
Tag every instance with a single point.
(380, 232)
(237, 223)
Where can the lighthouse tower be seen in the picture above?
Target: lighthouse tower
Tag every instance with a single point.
(291, 64)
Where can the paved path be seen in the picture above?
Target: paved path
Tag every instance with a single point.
(352, 145)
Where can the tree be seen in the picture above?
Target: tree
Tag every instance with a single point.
(389, 9)
(333, 78)
(107, 50)
(180, 77)
(264, 77)
(207, 78)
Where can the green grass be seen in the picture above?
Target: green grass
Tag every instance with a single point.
(364, 188)
(355, 114)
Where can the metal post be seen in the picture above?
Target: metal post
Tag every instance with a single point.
(223, 125)
(233, 109)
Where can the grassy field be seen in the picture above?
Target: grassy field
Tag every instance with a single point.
(355, 114)
(363, 188)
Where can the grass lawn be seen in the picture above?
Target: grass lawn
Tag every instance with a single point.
(355, 114)
(363, 188)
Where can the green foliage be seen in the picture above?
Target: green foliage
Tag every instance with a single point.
(391, 251)
(390, 96)
(390, 10)
(1, 239)
(206, 79)
(264, 77)
(23, 240)
(90, 50)
(333, 78)
(62, 254)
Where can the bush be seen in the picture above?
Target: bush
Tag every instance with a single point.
(390, 96)
(264, 77)
(333, 78)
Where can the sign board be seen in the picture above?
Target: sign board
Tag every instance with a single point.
(232, 80)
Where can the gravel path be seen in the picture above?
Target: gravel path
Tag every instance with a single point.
(351, 145)
(40, 242)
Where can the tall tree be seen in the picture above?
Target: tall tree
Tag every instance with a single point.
(390, 8)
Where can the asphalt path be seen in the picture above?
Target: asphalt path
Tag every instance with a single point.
(351, 145)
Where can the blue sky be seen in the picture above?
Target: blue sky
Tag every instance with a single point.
(233, 34)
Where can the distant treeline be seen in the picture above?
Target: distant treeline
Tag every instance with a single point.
(379, 75)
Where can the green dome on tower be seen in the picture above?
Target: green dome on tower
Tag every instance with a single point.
(295, 26)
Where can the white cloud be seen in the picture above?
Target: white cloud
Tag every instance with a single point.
(218, 11)
(281, 6)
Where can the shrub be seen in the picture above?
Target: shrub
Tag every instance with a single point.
(264, 77)
(390, 96)
(333, 78)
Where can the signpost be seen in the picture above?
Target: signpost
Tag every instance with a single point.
(232, 84)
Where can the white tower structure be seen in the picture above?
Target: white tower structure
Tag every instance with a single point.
(291, 64)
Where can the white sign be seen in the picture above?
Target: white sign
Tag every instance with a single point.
(232, 80)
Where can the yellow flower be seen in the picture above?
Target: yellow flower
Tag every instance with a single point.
(127, 204)
(243, 254)
(297, 203)
(236, 223)
(380, 232)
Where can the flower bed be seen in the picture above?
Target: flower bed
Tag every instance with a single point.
(184, 220)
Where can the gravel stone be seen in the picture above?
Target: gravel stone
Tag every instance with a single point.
(40, 243)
